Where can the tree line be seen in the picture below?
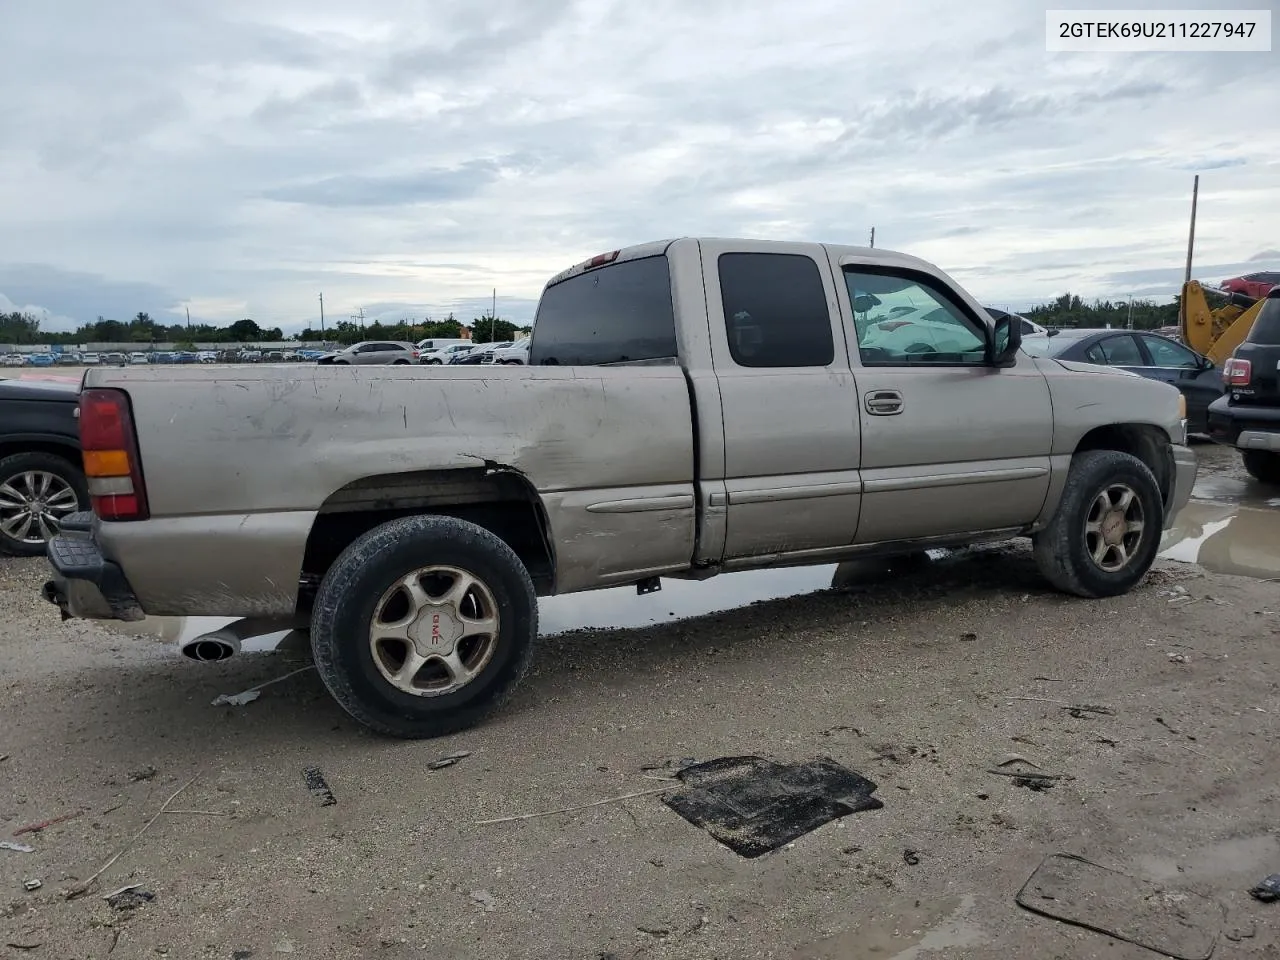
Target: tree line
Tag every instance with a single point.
(23, 329)
(1070, 310)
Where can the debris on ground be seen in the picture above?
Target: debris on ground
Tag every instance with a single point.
(253, 693)
(30, 885)
(1241, 931)
(911, 857)
(129, 898)
(1016, 767)
(318, 786)
(485, 899)
(146, 772)
(16, 847)
(448, 761)
(582, 806)
(25, 946)
(1268, 890)
(1079, 711)
(753, 806)
(968, 637)
(1177, 923)
(1179, 658)
(82, 888)
(37, 827)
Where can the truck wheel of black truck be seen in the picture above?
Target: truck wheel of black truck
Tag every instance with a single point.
(424, 626)
(1106, 533)
(1262, 465)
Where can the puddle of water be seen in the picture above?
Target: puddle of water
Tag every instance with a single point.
(1227, 537)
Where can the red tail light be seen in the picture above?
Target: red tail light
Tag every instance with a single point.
(602, 259)
(109, 444)
(1237, 373)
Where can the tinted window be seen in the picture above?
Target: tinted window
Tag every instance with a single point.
(1119, 351)
(1266, 328)
(609, 315)
(903, 320)
(775, 310)
(1166, 353)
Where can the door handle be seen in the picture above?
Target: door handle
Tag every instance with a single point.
(883, 403)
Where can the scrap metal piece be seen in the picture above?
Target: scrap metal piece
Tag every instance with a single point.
(1177, 923)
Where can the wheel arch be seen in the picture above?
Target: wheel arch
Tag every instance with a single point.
(499, 499)
(1147, 442)
(62, 447)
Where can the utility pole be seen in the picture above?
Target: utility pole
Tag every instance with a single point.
(873, 236)
(188, 309)
(493, 316)
(321, 316)
(1129, 322)
(359, 316)
(1191, 237)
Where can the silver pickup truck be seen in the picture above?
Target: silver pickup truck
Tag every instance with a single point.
(690, 407)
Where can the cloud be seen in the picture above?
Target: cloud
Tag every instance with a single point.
(240, 158)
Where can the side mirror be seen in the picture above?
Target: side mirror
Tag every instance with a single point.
(1005, 342)
(1206, 363)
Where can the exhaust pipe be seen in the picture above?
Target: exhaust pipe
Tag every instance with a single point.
(224, 643)
(211, 647)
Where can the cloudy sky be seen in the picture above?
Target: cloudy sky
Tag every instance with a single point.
(406, 156)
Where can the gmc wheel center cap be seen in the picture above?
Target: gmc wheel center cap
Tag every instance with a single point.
(436, 631)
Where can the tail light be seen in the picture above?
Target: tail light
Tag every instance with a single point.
(109, 445)
(1237, 373)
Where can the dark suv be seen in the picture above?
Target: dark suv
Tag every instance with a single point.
(1247, 416)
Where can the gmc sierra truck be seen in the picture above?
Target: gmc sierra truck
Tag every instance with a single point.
(690, 407)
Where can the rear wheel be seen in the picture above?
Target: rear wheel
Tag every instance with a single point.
(1106, 533)
(424, 626)
(36, 491)
(1262, 465)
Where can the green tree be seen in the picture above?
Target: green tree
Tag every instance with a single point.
(244, 331)
(490, 329)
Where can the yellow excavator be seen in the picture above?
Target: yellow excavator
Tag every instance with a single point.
(1215, 330)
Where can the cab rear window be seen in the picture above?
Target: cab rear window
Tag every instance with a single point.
(1266, 328)
(616, 314)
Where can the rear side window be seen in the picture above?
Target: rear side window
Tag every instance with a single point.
(1266, 328)
(775, 310)
(1120, 351)
(614, 314)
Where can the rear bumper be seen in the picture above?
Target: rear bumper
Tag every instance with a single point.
(85, 584)
(1184, 478)
(1244, 426)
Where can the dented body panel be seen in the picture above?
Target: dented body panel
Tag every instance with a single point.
(679, 466)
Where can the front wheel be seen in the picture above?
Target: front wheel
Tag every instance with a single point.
(1106, 532)
(1262, 465)
(424, 626)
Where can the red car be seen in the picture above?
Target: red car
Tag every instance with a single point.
(1256, 285)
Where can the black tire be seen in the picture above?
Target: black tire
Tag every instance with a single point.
(396, 363)
(367, 570)
(433, 363)
(13, 468)
(1064, 549)
(1262, 465)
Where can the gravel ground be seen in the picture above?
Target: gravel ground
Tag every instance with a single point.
(922, 683)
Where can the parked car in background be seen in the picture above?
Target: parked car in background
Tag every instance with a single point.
(118, 359)
(1029, 327)
(1248, 416)
(69, 359)
(90, 359)
(1147, 354)
(249, 356)
(518, 352)
(12, 360)
(1256, 285)
(40, 360)
(41, 478)
(207, 356)
(371, 352)
(477, 355)
(137, 357)
(445, 354)
(432, 344)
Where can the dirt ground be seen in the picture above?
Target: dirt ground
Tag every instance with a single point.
(923, 682)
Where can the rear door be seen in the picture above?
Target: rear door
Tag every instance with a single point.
(787, 394)
(950, 444)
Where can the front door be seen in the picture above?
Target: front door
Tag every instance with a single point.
(950, 444)
(787, 395)
(1197, 380)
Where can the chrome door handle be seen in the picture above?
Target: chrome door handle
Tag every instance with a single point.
(883, 403)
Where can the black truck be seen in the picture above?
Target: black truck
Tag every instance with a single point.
(41, 475)
(1247, 416)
